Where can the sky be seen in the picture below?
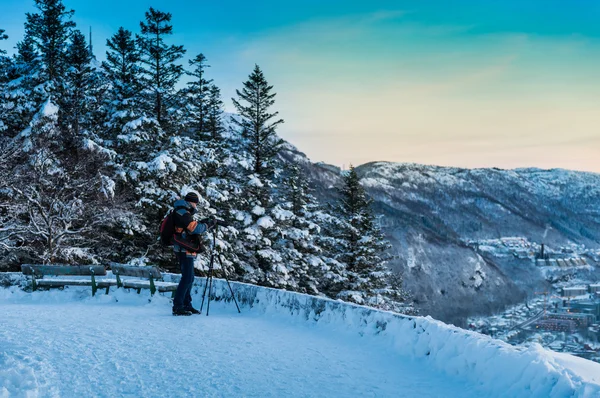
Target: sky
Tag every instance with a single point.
(461, 83)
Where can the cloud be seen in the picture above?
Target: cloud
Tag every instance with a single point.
(376, 87)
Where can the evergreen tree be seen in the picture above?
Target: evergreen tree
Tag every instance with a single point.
(41, 83)
(256, 124)
(304, 258)
(132, 132)
(21, 98)
(161, 72)
(27, 52)
(51, 29)
(80, 85)
(197, 96)
(256, 208)
(363, 249)
(214, 111)
(122, 65)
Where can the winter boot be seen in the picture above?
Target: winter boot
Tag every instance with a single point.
(192, 310)
(181, 312)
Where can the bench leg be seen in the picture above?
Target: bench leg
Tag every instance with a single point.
(139, 290)
(107, 289)
(94, 286)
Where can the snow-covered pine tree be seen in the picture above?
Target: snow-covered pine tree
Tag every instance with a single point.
(62, 202)
(122, 65)
(161, 72)
(196, 98)
(81, 94)
(64, 205)
(130, 131)
(255, 212)
(364, 249)
(140, 147)
(214, 114)
(51, 28)
(298, 243)
(23, 91)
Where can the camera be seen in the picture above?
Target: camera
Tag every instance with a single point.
(214, 221)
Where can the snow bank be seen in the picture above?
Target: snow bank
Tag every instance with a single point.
(493, 366)
(498, 367)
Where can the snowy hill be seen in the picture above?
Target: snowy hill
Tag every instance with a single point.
(67, 343)
(431, 215)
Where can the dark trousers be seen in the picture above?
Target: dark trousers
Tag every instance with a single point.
(183, 298)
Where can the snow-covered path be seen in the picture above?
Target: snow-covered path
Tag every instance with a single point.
(50, 346)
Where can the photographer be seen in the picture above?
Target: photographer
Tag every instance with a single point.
(186, 245)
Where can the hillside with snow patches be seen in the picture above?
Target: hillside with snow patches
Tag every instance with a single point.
(67, 343)
(432, 215)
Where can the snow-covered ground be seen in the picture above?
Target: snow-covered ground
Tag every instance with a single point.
(66, 343)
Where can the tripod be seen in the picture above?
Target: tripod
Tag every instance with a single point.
(209, 277)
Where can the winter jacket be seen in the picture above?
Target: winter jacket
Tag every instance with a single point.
(183, 218)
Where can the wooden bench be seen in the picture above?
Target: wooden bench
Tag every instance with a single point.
(37, 273)
(154, 280)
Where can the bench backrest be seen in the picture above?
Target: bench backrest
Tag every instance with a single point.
(132, 270)
(41, 270)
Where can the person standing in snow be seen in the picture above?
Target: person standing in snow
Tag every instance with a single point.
(186, 229)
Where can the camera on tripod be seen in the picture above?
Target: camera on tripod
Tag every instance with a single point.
(214, 221)
(215, 255)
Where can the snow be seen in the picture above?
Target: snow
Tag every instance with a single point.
(139, 122)
(282, 214)
(59, 343)
(265, 222)
(254, 181)
(49, 109)
(258, 210)
(163, 162)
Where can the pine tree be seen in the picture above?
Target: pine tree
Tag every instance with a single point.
(27, 52)
(21, 98)
(363, 249)
(257, 127)
(81, 83)
(197, 96)
(161, 72)
(214, 111)
(304, 258)
(256, 208)
(51, 29)
(133, 134)
(122, 65)
(59, 189)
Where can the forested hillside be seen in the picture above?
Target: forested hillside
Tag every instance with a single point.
(94, 153)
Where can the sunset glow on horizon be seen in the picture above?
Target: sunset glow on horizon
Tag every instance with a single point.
(466, 84)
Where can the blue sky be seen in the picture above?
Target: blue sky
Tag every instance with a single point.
(462, 83)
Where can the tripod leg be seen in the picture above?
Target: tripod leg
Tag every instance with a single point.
(228, 284)
(208, 276)
(209, 290)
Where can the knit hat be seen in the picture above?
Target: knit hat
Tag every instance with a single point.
(192, 197)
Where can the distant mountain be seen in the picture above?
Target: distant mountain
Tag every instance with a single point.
(434, 217)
